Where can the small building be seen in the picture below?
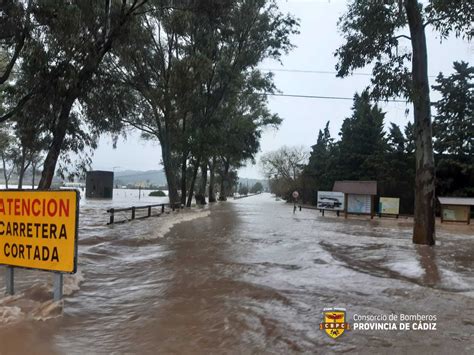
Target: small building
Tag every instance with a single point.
(359, 196)
(99, 184)
(456, 209)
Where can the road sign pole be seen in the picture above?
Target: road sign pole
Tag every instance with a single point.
(9, 281)
(58, 286)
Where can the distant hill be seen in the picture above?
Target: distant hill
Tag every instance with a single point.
(135, 177)
(154, 177)
(158, 178)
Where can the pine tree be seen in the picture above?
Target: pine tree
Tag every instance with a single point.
(454, 132)
(317, 170)
(453, 124)
(363, 141)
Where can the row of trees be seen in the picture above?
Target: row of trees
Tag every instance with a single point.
(366, 151)
(255, 189)
(17, 160)
(183, 73)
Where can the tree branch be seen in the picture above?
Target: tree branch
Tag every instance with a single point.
(18, 107)
(19, 46)
(402, 36)
(15, 56)
(435, 20)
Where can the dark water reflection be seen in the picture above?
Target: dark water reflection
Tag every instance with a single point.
(254, 278)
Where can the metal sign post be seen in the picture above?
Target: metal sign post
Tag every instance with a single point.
(9, 281)
(58, 286)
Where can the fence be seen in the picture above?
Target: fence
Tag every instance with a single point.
(134, 209)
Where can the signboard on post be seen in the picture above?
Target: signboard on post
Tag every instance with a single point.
(330, 200)
(455, 213)
(38, 229)
(389, 205)
(359, 204)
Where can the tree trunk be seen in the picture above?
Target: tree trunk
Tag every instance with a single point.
(424, 224)
(51, 160)
(183, 177)
(212, 195)
(170, 172)
(201, 195)
(193, 180)
(21, 173)
(21, 170)
(224, 182)
(33, 178)
(5, 174)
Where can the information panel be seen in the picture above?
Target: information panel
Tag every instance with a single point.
(358, 204)
(330, 200)
(38, 229)
(389, 205)
(455, 213)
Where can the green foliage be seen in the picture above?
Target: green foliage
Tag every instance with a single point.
(61, 46)
(195, 84)
(158, 193)
(453, 124)
(243, 189)
(256, 188)
(362, 141)
(191, 81)
(366, 152)
(375, 32)
(453, 128)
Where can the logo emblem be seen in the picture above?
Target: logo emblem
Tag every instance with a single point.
(334, 322)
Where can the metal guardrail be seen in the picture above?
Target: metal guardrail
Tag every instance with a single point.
(133, 209)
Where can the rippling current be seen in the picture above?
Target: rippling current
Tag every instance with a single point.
(245, 276)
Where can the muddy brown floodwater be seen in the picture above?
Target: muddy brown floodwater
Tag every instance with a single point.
(249, 277)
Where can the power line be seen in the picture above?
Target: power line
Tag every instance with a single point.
(310, 71)
(307, 71)
(325, 97)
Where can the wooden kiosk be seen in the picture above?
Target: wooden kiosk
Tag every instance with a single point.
(359, 196)
(456, 209)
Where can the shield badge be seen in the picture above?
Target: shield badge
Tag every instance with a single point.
(334, 322)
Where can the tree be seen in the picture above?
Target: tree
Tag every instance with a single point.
(238, 135)
(396, 140)
(362, 143)
(453, 124)
(373, 31)
(256, 188)
(453, 129)
(409, 131)
(319, 160)
(14, 29)
(283, 168)
(7, 152)
(243, 189)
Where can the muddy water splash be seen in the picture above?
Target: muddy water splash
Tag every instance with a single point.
(252, 277)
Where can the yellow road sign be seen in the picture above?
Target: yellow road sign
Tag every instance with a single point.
(38, 229)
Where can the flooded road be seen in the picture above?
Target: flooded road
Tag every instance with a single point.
(246, 276)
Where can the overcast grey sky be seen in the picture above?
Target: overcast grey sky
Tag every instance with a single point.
(302, 118)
